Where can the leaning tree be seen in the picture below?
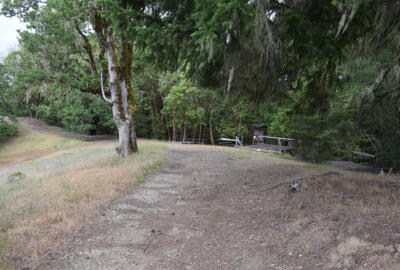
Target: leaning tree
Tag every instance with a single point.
(87, 18)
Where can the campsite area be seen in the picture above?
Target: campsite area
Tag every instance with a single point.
(194, 207)
(200, 134)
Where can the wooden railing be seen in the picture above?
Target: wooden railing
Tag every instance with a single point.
(290, 141)
(236, 141)
(373, 158)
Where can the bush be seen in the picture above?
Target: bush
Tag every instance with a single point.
(83, 112)
(8, 126)
(319, 136)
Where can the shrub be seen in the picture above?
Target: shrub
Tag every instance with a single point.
(8, 126)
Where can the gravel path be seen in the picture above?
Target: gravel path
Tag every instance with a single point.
(211, 209)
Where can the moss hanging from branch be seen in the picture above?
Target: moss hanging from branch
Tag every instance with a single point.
(127, 59)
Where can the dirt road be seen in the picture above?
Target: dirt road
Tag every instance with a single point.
(213, 209)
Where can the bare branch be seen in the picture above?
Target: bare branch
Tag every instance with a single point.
(102, 90)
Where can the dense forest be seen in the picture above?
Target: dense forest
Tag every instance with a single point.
(324, 72)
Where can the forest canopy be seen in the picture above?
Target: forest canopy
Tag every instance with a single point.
(324, 72)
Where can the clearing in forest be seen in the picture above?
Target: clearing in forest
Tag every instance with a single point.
(217, 208)
(206, 207)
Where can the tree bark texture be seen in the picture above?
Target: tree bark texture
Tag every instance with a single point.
(120, 86)
(184, 131)
(173, 127)
(211, 134)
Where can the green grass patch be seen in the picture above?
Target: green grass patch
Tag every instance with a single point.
(140, 178)
(30, 142)
(155, 165)
(5, 243)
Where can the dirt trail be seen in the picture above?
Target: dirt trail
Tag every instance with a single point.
(40, 126)
(212, 209)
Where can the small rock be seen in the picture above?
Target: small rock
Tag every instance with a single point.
(295, 186)
(15, 177)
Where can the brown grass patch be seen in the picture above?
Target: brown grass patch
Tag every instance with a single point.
(61, 193)
(353, 217)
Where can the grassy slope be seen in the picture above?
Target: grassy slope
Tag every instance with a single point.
(31, 143)
(61, 191)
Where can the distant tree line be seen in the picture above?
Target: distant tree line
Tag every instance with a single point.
(323, 72)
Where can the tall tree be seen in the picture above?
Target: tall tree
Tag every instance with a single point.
(49, 19)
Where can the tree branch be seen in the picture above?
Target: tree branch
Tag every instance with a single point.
(382, 76)
(384, 94)
(88, 48)
(99, 26)
(102, 90)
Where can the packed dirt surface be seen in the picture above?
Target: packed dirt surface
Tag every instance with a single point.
(208, 208)
(40, 126)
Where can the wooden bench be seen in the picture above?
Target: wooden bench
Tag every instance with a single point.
(372, 157)
(193, 141)
(279, 147)
(226, 141)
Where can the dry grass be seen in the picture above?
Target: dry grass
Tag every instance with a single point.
(352, 217)
(61, 192)
(30, 144)
(339, 220)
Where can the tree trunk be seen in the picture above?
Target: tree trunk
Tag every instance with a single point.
(120, 84)
(166, 125)
(184, 131)
(200, 131)
(211, 134)
(173, 127)
(152, 121)
(37, 107)
(194, 134)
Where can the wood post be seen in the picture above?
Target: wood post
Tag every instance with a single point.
(373, 157)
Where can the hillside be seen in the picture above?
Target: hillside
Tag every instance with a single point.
(64, 182)
(35, 139)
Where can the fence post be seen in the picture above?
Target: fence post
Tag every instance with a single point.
(373, 162)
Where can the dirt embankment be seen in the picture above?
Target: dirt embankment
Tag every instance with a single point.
(215, 209)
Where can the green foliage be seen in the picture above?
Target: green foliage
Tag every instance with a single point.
(319, 137)
(8, 124)
(5, 107)
(202, 67)
(75, 115)
(8, 128)
(376, 108)
(83, 112)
